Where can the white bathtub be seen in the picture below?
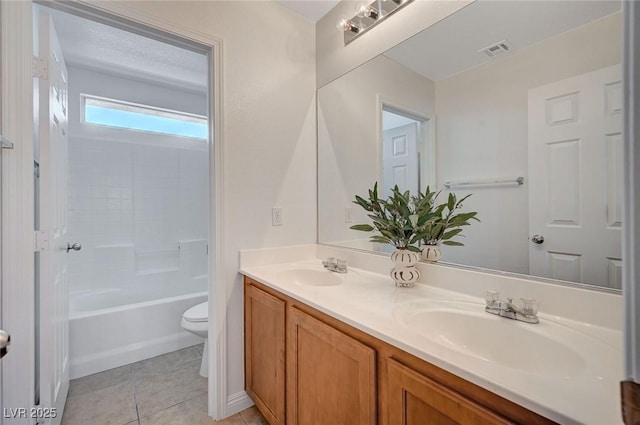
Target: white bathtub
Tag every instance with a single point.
(104, 332)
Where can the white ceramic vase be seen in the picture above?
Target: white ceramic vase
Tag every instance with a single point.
(404, 272)
(431, 253)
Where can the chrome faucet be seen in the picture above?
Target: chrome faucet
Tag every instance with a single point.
(335, 265)
(526, 311)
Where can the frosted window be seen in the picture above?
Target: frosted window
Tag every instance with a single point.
(113, 113)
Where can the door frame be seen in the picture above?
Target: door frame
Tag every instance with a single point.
(18, 374)
(631, 201)
(426, 136)
(17, 209)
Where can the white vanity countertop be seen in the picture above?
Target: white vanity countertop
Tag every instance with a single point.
(585, 391)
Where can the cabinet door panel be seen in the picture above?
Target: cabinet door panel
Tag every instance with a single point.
(331, 376)
(265, 357)
(417, 400)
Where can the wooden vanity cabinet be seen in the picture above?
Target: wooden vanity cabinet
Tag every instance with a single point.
(338, 375)
(331, 377)
(264, 318)
(415, 399)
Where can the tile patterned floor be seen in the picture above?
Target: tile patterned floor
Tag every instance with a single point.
(164, 390)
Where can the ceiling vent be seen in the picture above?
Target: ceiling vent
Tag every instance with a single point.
(497, 49)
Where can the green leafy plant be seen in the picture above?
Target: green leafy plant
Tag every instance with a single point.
(393, 218)
(440, 223)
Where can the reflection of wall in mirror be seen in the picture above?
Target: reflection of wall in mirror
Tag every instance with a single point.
(349, 139)
(482, 132)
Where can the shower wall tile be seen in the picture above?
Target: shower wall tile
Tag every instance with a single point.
(126, 200)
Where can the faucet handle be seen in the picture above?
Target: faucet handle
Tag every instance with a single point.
(529, 306)
(329, 261)
(491, 298)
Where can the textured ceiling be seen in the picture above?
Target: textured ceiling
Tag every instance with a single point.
(88, 43)
(452, 45)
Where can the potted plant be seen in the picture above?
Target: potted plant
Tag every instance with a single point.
(394, 223)
(439, 223)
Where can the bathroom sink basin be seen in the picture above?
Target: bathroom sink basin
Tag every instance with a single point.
(311, 277)
(504, 342)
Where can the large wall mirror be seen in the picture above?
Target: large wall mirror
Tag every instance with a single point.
(518, 103)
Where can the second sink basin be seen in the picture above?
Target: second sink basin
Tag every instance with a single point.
(500, 341)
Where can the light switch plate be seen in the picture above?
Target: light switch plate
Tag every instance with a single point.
(348, 211)
(276, 216)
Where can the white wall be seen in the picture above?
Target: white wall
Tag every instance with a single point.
(349, 139)
(268, 130)
(335, 59)
(482, 133)
(134, 197)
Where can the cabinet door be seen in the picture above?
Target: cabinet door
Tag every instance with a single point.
(331, 377)
(264, 353)
(417, 400)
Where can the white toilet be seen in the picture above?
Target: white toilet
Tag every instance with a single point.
(196, 321)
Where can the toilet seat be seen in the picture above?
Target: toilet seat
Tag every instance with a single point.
(197, 313)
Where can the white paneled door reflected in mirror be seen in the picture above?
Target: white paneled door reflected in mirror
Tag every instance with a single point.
(498, 90)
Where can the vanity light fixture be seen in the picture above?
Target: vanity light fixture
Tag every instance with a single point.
(368, 12)
(348, 26)
(368, 16)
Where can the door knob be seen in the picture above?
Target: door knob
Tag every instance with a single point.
(75, 246)
(537, 239)
(5, 342)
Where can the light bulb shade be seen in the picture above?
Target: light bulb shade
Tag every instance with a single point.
(368, 12)
(351, 27)
(345, 25)
(360, 7)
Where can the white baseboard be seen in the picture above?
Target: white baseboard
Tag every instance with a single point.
(237, 403)
(121, 356)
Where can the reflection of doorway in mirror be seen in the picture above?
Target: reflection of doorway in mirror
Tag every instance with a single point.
(575, 177)
(404, 145)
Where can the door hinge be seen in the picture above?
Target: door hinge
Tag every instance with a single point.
(41, 240)
(40, 68)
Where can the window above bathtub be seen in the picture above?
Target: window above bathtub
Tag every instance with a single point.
(131, 116)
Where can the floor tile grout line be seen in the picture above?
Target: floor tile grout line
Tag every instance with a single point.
(173, 405)
(135, 401)
(136, 376)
